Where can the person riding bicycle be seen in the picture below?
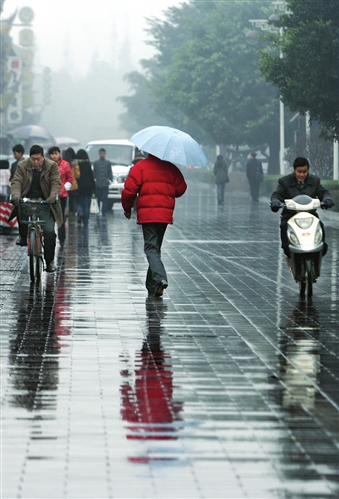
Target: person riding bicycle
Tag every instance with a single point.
(38, 178)
(298, 182)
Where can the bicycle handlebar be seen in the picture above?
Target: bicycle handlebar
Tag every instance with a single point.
(28, 200)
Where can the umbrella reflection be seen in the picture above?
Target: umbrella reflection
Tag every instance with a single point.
(300, 365)
(147, 391)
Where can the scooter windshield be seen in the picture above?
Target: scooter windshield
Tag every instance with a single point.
(302, 199)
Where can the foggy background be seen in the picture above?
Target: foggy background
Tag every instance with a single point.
(89, 46)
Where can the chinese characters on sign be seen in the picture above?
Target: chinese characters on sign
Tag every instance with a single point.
(14, 71)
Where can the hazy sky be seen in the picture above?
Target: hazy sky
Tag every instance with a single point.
(74, 30)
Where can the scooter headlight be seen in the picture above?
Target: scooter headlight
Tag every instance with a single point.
(318, 236)
(304, 223)
(293, 238)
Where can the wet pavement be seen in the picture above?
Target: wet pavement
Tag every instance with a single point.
(225, 388)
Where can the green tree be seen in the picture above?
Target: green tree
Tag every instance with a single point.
(206, 69)
(205, 78)
(139, 112)
(307, 75)
(144, 108)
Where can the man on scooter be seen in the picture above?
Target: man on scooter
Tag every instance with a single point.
(298, 182)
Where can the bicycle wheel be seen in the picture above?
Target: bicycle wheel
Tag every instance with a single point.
(38, 257)
(32, 254)
(309, 278)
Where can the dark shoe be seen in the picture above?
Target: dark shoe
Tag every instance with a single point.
(50, 267)
(22, 241)
(80, 217)
(160, 288)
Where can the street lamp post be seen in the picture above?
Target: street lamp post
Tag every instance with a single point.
(263, 24)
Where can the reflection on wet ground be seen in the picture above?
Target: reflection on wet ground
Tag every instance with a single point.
(147, 391)
(227, 387)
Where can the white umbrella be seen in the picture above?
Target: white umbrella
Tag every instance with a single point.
(32, 132)
(65, 142)
(170, 144)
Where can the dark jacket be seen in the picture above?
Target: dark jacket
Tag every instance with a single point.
(49, 181)
(86, 184)
(221, 171)
(158, 183)
(254, 171)
(288, 188)
(102, 172)
(13, 169)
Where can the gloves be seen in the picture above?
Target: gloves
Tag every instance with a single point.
(51, 199)
(16, 200)
(327, 203)
(275, 205)
(68, 185)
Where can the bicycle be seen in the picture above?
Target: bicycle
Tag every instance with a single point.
(33, 212)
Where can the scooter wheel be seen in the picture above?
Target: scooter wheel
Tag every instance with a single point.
(309, 278)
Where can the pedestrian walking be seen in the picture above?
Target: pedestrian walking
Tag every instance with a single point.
(66, 178)
(156, 183)
(103, 177)
(70, 156)
(18, 153)
(221, 177)
(255, 175)
(86, 187)
(34, 178)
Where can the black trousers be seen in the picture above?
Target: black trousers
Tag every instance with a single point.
(255, 190)
(49, 236)
(153, 237)
(72, 201)
(62, 228)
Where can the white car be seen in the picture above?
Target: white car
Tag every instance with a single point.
(121, 154)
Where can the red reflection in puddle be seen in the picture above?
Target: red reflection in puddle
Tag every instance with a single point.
(147, 389)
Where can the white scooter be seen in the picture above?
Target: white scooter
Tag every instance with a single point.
(305, 237)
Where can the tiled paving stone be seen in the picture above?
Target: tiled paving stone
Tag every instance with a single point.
(225, 388)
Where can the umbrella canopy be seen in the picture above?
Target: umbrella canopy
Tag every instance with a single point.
(65, 142)
(32, 131)
(171, 145)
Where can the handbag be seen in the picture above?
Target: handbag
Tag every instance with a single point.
(76, 176)
(94, 208)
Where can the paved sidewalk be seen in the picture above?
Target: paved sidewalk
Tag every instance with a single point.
(225, 388)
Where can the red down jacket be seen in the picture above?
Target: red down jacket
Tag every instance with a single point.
(158, 183)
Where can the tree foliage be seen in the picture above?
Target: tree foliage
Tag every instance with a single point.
(205, 76)
(209, 71)
(144, 108)
(308, 73)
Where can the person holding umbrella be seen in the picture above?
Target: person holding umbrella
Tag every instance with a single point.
(157, 183)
